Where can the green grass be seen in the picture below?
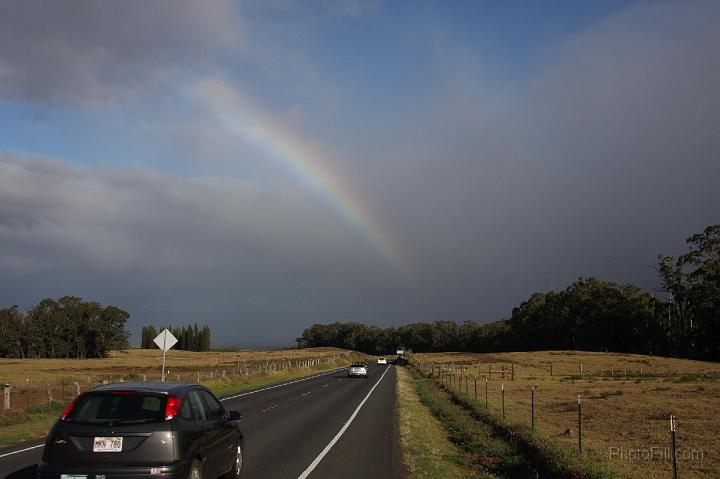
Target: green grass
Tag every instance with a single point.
(28, 425)
(500, 449)
(427, 451)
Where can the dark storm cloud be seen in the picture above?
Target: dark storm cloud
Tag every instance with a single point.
(606, 157)
(174, 249)
(88, 50)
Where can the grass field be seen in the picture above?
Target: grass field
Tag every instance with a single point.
(232, 372)
(133, 363)
(627, 401)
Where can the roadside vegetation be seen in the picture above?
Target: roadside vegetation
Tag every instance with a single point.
(627, 401)
(428, 452)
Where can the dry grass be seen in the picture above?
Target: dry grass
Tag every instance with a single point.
(628, 413)
(135, 362)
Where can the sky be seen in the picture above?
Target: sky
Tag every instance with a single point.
(262, 166)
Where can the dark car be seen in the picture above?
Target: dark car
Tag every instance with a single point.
(139, 430)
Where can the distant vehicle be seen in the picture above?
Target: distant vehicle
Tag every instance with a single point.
(382, 361)
(137, 430)
(358, 370)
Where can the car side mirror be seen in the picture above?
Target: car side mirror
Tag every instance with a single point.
(234, 416)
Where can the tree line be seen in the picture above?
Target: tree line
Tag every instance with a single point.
(66, 328)
(680, 319)
(190, 338)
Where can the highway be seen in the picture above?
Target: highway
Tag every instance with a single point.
(328, 426)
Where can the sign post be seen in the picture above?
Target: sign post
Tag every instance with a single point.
(165, 341)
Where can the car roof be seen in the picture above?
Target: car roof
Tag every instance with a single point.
(167, 387)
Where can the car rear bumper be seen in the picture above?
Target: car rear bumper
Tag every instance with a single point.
(178, 470)
(357, 375)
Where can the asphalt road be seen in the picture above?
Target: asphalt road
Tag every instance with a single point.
(329, 426)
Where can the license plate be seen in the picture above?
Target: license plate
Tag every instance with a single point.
(107, 444)
(73, 476)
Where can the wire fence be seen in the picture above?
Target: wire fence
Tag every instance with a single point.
(24, 396)
(545, 398)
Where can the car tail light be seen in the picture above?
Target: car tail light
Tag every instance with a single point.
(66, 412)
(172, 406)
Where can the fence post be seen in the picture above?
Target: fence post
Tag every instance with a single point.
(144, 377)
(476, 388)
(502, 389)
(487, 405)
(49, 393)
(580, 365)
(77, 388)
(674, 454)
(532, 406)
(27, 394)
(489, 371)
(6, 397)
(466, 386)
(579, 425)
(512, 366)
(551, 371)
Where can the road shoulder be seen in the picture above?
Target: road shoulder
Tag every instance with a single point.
(426, 448)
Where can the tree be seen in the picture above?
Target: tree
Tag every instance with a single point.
(693, 280)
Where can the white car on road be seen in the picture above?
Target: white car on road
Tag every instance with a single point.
(358, 370)
(382, 361)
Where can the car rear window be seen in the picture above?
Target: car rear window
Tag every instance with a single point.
(125, 408)
(357, 365)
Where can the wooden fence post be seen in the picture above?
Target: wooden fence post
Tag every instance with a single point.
(49, 393)
(487, 405)
(6, 397)
(502, 389)
(532, 406)
(579, 425)
(674, 453)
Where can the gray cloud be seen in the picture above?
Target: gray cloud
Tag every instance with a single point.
(87, 50)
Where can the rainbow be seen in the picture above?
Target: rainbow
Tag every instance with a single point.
(306, 162)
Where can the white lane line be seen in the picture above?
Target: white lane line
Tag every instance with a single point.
(20, 450)
(224, 399)
(280, 385)
(324, 452)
